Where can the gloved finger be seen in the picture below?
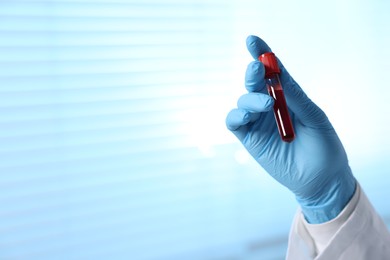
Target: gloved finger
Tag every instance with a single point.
(237, 121)
(255, 102)
(254, 77)
(304, 109)
(237, 118)
(256, 46)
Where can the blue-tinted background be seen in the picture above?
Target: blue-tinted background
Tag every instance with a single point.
(112, 136)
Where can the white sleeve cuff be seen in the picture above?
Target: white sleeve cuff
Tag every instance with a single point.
(323, 233)
(358, 233)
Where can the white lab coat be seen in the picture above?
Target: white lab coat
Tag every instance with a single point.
(357, 233)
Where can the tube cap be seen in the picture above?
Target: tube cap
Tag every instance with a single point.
(270, 63)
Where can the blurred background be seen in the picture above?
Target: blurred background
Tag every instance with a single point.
(112, 122)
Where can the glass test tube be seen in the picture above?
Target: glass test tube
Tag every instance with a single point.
(275, 90)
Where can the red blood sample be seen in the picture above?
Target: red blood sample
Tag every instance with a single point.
(275, 90)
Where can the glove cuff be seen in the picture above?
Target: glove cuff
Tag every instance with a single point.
(336, 198)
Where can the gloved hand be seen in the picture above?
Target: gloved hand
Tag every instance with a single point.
(314, 166)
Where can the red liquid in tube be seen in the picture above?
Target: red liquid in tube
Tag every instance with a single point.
(275, 90)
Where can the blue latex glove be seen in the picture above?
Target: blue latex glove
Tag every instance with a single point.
(314, 166)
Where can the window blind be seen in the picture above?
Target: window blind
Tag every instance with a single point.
(112, 134)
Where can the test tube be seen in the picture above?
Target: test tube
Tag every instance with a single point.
(275, 90)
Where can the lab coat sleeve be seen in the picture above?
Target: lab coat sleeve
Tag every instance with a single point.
(357, 233)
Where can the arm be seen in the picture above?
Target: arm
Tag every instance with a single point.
(314, 166)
